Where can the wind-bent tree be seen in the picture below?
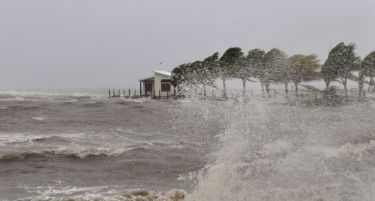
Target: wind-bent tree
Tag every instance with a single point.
(211, 62)
(330, 67)
(182, 74)
(201, 75)
(255, 59)
(243, 71)
(369, 62)
(197, 71)
(227, 62)
(302, 68)
(176, 78)
(367, 69)
(340, 63)
(276, 65)
(208, 70)
(349, 62)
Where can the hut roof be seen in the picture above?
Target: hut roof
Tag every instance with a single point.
(162, 72)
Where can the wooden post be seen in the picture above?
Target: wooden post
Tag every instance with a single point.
(140, 89)
(129, 93)
(109, 93)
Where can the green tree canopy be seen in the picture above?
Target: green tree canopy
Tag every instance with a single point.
(228, 60)
(340, 63)
(368, 66)
(275, 67)
(302, 68)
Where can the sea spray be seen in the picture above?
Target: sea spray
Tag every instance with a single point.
(273, 152)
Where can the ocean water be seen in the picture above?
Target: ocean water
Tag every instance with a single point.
(61, 146)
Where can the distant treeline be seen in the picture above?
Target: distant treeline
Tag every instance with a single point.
(276, 67)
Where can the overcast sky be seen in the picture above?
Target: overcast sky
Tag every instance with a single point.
(114, 43)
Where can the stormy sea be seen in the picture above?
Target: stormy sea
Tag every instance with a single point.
(85, 146)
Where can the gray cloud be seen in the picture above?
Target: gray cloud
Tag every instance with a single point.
(92, 43)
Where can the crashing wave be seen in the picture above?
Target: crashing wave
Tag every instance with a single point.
(275, 152)
(63, 153)
(137, 195)
(18, 138)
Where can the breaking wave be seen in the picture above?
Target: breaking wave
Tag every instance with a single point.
(19, 138)
(275, 152)
(67, 152)
(58, 95)
(102, 193)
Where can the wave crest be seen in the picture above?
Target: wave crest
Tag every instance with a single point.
(137, 195)
(63, 153)
(18, 138)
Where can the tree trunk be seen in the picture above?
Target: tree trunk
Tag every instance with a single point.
(262, 86)
(360, 86)
(224, 89)
(204, 90)
(244, 87)
(286, 88)
(267, 85)
(345, 82)
(296, 88)
(327, 83)
(371, 83)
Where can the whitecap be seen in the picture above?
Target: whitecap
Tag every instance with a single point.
(39, 118)
(104, 193)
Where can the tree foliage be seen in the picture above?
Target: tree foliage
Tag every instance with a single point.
(302, 68)
(340, 63)
(275, 67)
(368, 67)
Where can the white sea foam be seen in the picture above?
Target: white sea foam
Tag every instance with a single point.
(39, 118)
(6, 139)
(64, 151)
(105, 193)
(14, 138)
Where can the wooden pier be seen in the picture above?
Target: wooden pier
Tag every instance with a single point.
(129, 93)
